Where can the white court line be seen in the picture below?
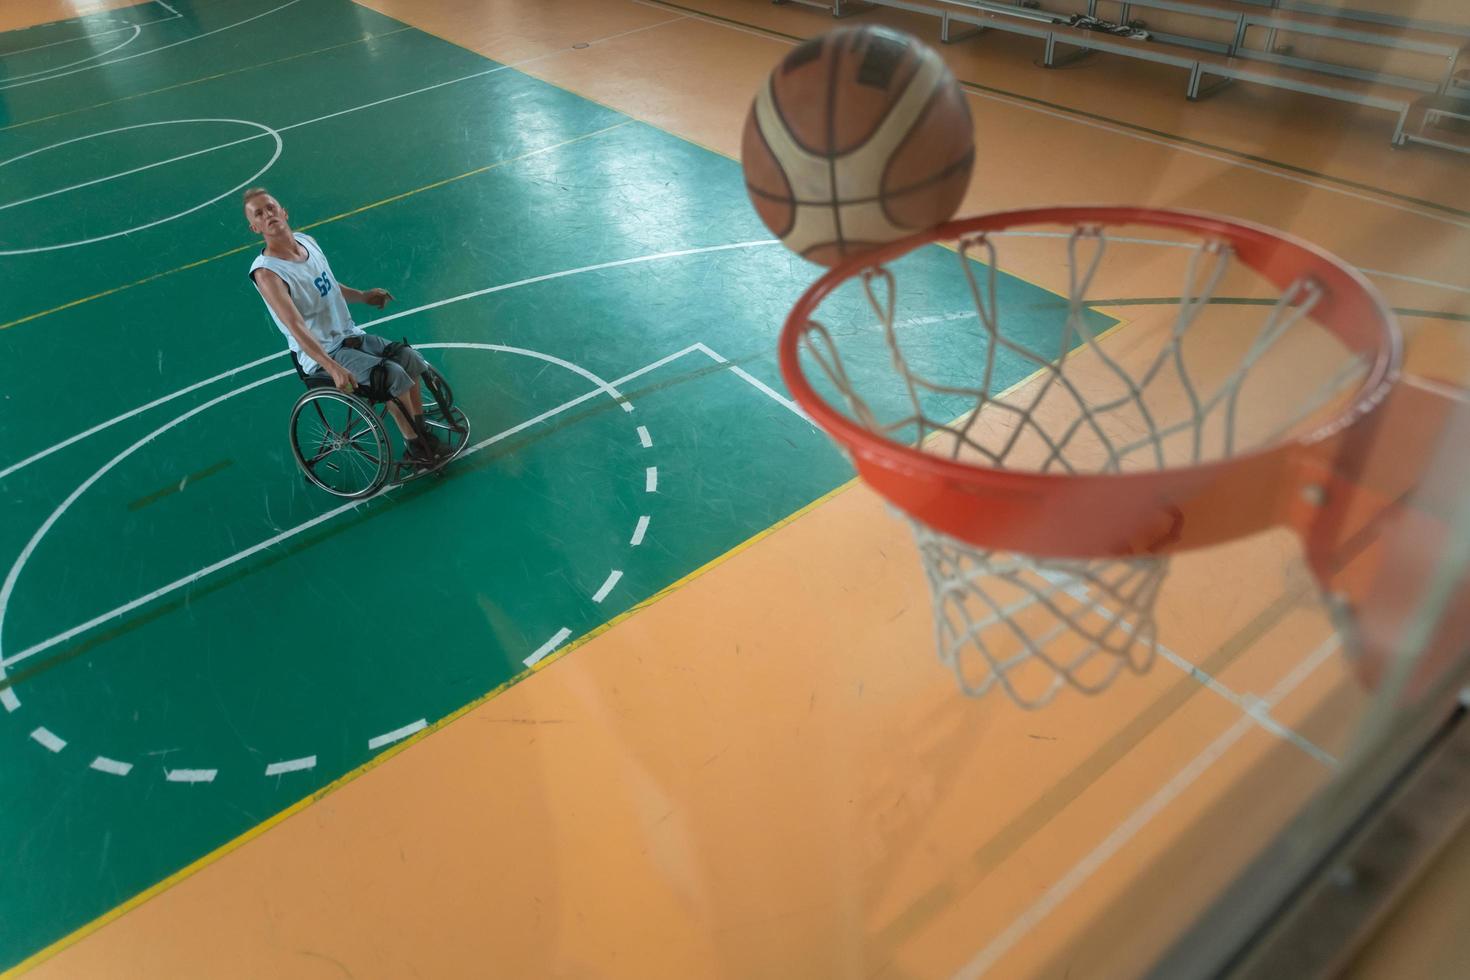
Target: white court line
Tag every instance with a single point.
(397, 734)
(140, 54)
(125, 173)
(297, 125)
(267, 131)
(223, 146)
(1173, 146)
(610, 389)
(1135, 822)
(99, 427)
(598, 267)
(610, 37)
(8, 587)
(607, 586)
(111, 766)
(474, 75)
(546, 648)
(734, 27)
(190, 775)
(602, 387)
(360, 108)
(1416, 280)
(643, 438)
(1250, 705)
(168, 8)
(9, 700)
(681, 253)
(291, 765)
(639, 531)
(773, 393)
(746, 376)
(137, 30)
(70, 40)
(49, 739)
(1132, 240)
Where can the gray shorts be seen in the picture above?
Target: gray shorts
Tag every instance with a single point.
(403, 369)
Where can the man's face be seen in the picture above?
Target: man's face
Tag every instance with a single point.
(265, 214)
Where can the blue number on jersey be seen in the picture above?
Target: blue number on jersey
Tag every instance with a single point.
(323, 284)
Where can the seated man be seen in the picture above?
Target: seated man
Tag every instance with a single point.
(310, 307)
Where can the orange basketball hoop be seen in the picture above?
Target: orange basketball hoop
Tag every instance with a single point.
(1045, 513)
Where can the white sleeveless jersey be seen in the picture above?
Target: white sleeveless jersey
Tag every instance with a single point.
(316, 295)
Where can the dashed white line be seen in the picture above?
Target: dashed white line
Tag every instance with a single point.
(639, 531)
(190, 775)
(627, 406)
(547, 647)
(112, 766)
(397, 734)
(612, 580)
(9, 700)
(650, 479)
(47, 738)
(602, 388)
(644, 437)
(291, 765)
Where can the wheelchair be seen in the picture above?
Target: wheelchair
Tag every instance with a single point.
(344, 443)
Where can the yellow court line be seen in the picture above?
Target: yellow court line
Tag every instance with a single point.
(206, 78)
(78, 935)
(315, 224)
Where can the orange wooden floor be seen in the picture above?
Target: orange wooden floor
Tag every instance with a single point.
(766, 772)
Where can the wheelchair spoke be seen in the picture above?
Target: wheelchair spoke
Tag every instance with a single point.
(346, 445)
(323, 441)
(363, 452)
(357, 465)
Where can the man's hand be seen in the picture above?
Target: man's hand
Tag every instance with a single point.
(341, 377)
(377, 297)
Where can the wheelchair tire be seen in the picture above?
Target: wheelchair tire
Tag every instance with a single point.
(340, 443)
(440, 400)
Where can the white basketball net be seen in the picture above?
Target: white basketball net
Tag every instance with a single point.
(1037, 625)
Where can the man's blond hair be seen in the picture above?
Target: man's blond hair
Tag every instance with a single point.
(253, 192)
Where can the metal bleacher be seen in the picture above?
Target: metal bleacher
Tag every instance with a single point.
(1428, 108)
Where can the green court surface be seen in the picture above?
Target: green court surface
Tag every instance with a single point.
(193, 639)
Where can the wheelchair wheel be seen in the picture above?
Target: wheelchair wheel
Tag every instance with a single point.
(441, 416)
(340, 443)
(438, 396)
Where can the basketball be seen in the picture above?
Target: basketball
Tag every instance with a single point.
(858, 137)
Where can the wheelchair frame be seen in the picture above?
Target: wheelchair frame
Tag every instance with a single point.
(349, 445)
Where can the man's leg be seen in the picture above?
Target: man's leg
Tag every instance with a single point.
(413, 364)
(361, 362)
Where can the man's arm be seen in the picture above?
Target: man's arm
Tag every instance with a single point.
(372, 297)
(278, 298)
